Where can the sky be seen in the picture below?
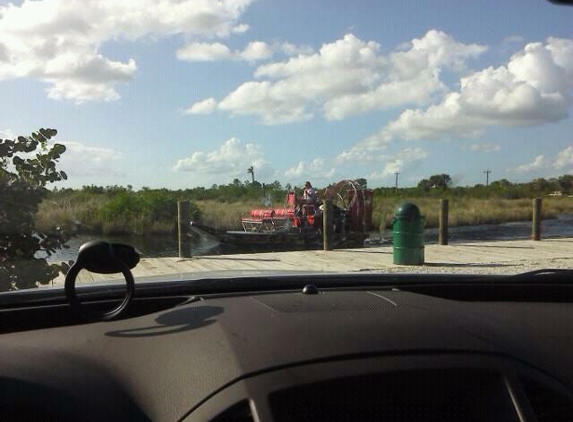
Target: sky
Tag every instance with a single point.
(186, 93)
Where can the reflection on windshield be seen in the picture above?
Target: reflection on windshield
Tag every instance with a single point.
(279, 126)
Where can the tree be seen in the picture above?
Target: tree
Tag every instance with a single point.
(23, 180)
(539, 185)
(276, 185)
(251, 171)
(440, 181)
(566, 182)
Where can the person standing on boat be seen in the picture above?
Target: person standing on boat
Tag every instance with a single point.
(309, 194)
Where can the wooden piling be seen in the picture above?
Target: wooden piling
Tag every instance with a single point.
(536, 220)
(443, 223)
(327, 225)
(183, 222)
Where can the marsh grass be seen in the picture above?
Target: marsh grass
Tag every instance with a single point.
(472, 212)
(83, 213)
(225, 216)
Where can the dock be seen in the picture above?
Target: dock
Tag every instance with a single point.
(492, 257)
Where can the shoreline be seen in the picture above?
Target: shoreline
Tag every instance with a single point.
(497, 257)
(165, 246)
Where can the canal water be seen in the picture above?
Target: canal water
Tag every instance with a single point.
(166, 246)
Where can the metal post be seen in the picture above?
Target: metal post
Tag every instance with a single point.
(183, 221)
(536, 223)
(327, 225)
(443, 229)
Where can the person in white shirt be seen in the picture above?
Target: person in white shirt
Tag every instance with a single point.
(309, 194)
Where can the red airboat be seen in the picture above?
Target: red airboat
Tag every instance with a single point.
(299, 225)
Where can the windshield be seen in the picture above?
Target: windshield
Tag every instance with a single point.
(263, 135)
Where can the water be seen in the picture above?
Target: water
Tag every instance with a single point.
(166, 246)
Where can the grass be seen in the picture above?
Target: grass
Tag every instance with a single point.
(82, 213)
(472, 212)
(225, 216)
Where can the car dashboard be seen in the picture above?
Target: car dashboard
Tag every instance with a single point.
(414, 352)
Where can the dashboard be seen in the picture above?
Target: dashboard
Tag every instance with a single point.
(419, 353)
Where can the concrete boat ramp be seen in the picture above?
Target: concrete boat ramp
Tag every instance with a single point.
(496, 257)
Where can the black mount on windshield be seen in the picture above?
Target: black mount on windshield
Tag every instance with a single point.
(102, 257)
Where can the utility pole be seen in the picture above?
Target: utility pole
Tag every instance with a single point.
(396, 173)
(487, 172)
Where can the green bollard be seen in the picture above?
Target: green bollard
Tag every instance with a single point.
(408, 235)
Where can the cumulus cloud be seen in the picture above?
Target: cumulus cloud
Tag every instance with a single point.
(318, 167)
(533, 88)
(256, 50)
(241, 28)
(202, 107)
(539, 162)
(59, 41)
(226, 163)
(349, 76)
(562, 161)
(401, 160)
(253, 51)
(81, 161)
(206, 52)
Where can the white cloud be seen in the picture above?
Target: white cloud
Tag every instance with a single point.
(318, 168)
(223, 165)
(564, 159)
(417, 91)
(538, 163)
(404, 159)
(348, 76)
(263, 100)
(202, 107)
(241, 28)
(485, 147)
(83, 161)
(206, 52)
(532, 89)
(256, 50)
(59, 41)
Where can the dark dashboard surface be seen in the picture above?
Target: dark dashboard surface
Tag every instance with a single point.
(197, 359)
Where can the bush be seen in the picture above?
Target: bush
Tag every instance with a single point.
(23, 178)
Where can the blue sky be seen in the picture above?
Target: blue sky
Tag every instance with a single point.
(193, 92)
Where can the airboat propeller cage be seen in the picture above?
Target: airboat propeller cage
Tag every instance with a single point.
(356, 200)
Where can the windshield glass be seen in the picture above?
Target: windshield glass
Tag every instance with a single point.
(414, 136)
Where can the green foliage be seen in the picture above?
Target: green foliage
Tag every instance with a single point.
(566, 183)
(437, 181)
(121, 210)
(27, 165)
